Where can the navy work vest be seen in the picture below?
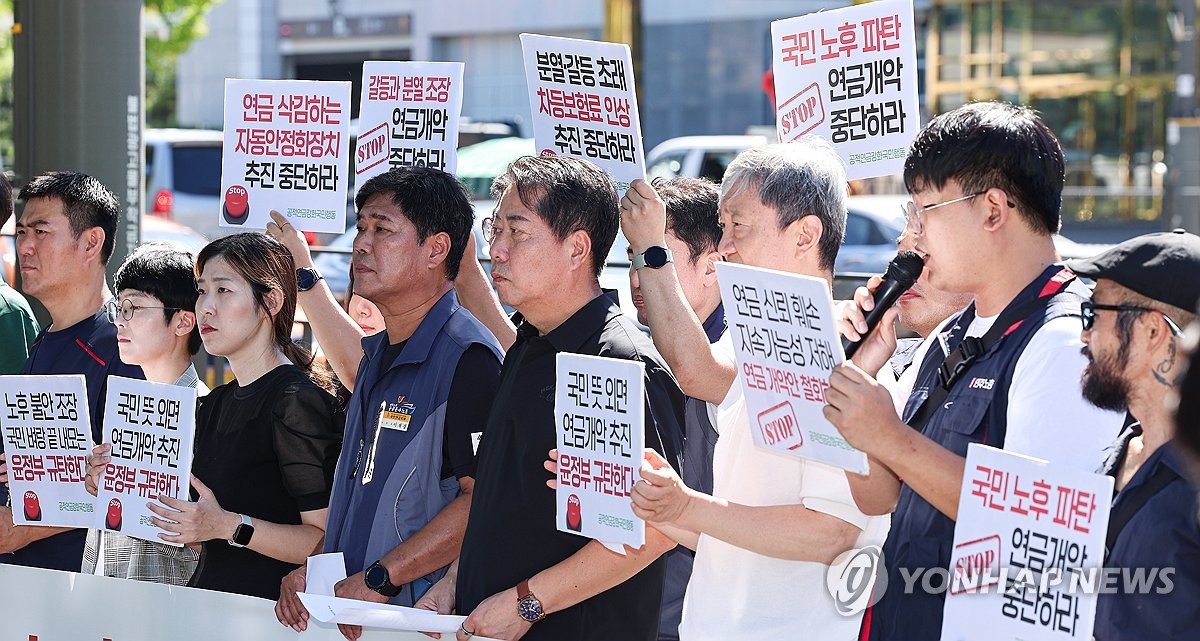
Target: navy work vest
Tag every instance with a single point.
(975, 411)
(402, 453)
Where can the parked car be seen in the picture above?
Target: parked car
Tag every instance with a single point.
(183, 178)
(697, 156)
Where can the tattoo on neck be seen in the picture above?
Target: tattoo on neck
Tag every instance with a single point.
(1166, 365)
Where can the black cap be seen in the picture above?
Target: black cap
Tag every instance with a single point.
(1164, 267)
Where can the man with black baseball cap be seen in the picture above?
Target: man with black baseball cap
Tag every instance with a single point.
(1147, 288)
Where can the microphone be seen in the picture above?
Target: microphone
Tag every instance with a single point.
(902, 272)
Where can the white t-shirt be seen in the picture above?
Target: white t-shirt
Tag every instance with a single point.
(735, 593)
(1048, 417)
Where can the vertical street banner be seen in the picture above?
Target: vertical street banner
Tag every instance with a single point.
(599, 410)
(1028, 547)
(850, 76)
(409, 117)
(584, 105)
(152, 428)
(286, 148)
(47, 438)
(786, 346)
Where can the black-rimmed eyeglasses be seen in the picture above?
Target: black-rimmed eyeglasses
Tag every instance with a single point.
(125, 309)
(1088, 314)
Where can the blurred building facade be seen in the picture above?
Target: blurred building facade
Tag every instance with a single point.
(701, 73)
(1114, 78)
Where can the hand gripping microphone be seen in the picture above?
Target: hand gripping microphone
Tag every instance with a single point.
(903, 271)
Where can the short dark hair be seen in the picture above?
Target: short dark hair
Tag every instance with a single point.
(692, 212)
(165, 273)
(86, 203)
(433, 200)
(993, 144)
(570, 195)
(6, 199)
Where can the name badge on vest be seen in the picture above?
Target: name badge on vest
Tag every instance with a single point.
(396, 416)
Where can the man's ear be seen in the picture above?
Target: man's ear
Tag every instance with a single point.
(92, 240)
(580, 246)
(999, 211)
(709, 263)
(808, 232)
(184, 322)
(437, 249)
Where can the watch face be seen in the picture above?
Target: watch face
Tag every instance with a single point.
(376, 576)
(530, 609)
(305, 278)
(242, 534)
(656, 257)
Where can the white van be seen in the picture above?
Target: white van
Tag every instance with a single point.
(183, 178)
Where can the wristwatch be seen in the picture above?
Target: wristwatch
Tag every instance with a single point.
(379, 580)
(528, 605)
(242, 533)
(654, 258)
(306, 277)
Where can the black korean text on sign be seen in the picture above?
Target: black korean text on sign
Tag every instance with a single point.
(595, 144)
(1029, 599)
(292, 176)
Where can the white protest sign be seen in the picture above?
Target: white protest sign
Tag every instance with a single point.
(47, 438)
(786, 346)
(409, 117)
(152, 428)
(850, 76)
(599, 412)
(286, 148)
(1028, 546)
(584, 105)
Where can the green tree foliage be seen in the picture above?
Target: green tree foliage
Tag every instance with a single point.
(171, 27)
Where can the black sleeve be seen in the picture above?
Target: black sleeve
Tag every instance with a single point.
(472, 391)
(308, 430)
(664, 414)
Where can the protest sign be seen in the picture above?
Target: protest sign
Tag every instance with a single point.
(786, 346)
(47, 438)
(584, 105)
(599, 411)
(409, 117)
(286, 148)
(850, 76)
(152, 428)
(1028, 545)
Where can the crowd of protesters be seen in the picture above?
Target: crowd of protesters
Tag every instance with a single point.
(423, 453)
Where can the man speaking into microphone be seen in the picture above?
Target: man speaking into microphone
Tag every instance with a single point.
(986, 181)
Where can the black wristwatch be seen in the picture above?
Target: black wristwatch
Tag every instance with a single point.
(242, 533)
(377, 578)
(306, 278)
(654, 258)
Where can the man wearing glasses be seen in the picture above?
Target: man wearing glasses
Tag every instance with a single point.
(65, 237)
(1146, 289)
(986, 181)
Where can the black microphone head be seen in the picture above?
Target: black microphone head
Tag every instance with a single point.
(905, 268)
